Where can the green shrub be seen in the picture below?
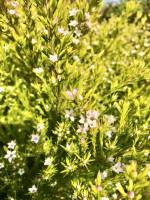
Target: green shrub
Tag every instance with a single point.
(74, 100)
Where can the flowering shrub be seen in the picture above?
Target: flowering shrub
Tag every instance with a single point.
(74, 100)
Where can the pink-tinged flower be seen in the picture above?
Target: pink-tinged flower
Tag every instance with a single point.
(72, 94)
(131, 195)
(53, 58)
(62, 31)
(118, 167)
(82, 119)
(33, 189)
(99, 188)
(10, 155)
(11, 145)
(92, 114)
(35, 138)
(92, 123)
(69, 115)
(73, 12)
(83, 128)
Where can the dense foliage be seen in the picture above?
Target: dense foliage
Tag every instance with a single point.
(74, 100)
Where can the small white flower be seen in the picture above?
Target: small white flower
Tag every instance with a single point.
(33, 189)
(1, 165)
(73, 12)
(38, 70)
(110, 159)
(14, 4)
(40, 127)
(33, 41)
(82, 119)
(53, 58)
(12, 12)
(109, 134)
(104, 198)
(62, 31)
(10, 155)
(21, 172)
(69, 115)
(92, 123)
(104, 174)
(142, 53)
(118, 167)
(148, 174)
(35, 138)
(1, 89)
(75, 41)
(87, 15)
(48, 161)
(115, 196)
(110, 119)
(11, 145)
(73, 23)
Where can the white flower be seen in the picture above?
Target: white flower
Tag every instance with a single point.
(38, 70)
(40, 127)
(73, 23)
(62, 31)
(14, 3)
(21, 172)
(12, 12)
(110, 119)
(1, 165)
(75, 41)
(148, 173)
(82, 119)
(104, 198)
(109, 134)
(33, 41)
(35, 138)
(69, 115)
(10, 155)
(83, 128)
(104, 174)
(53, 58)
(77, 32)
(92, 114)
(118, 167)
(1, 89)
(92, 123)
(110, 159)
(48, 161)
(33, 189)
(73, 12)
(114, 196)
(87, 15)
(131, 195)
(11, 145)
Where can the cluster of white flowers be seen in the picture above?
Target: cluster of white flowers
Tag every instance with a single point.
(11, 153)
(88, 121)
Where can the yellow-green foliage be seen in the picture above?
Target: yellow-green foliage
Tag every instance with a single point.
(74, 100)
